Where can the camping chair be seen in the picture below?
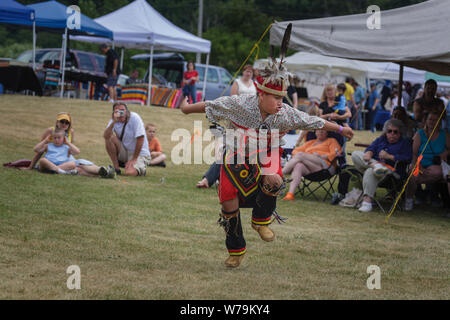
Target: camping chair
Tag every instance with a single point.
(393, 183)
(322, 180)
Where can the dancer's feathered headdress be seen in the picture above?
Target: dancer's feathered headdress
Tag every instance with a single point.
(274, 78)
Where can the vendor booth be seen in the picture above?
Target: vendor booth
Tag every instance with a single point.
(138, 25)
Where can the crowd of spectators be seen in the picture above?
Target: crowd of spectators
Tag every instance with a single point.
(416, 133)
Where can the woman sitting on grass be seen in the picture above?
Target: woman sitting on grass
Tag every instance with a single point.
(64, 123)
(58, 154)
(83, 167)
(311, 157)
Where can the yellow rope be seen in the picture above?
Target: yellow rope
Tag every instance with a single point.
(255, 46)
(413, 169)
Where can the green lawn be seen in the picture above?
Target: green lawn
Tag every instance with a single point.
(156, 237)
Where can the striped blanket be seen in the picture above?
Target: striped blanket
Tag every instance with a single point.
(161, 96)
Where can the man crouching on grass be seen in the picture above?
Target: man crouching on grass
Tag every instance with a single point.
(126, 141)
(255, 185)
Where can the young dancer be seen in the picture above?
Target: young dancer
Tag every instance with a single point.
(246, 183)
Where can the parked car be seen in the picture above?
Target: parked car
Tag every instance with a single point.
(171, 67)
(86, 63)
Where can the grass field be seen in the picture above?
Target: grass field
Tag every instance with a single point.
(157, 238)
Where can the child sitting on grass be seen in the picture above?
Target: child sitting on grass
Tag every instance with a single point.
(57, 158)
(154, 146)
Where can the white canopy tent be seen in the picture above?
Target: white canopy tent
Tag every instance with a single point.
(139, 26)
(323, 69)
(413, 36)
(318, 70)
(385, 68)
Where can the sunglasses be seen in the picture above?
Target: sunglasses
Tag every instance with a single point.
(64, 122)
(393, 131)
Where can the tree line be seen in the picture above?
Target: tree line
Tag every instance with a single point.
(232, 26)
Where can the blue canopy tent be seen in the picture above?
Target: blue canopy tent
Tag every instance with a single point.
(15, 13)
(12, 12)
(52, 15)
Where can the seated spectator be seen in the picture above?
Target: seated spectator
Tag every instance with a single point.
(63, 122)
(157, 156)
(210, 177)
(436, 151)
(133, 77)
(379, 159)
(83, 167)
(311, 157)
(312, 111)
(58, 154)
(327, 112)
(126, 141)
(410, 125)
(326, 109)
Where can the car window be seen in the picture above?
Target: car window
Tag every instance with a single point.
(213, 75)
(201, 73)
(172, 75)
(85, 61)
(226, 77)
(100, 62)
(160, 71)
(49, 55)
(26, 56)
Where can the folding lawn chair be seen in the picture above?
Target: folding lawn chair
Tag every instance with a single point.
(324, 179)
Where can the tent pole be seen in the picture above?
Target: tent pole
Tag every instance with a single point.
(199, 27)
(204, 77)
(400, 85)
(62, 65)
(150, 76)
(121, 59)
(34, 44)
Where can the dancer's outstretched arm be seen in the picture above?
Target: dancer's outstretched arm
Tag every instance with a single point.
(187, 108)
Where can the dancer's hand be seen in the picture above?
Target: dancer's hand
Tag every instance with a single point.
(184, 102)
(274, 180)
(347, 132)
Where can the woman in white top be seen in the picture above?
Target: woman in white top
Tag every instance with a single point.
(244, 85)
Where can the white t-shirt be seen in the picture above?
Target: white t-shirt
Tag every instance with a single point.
(134, 129)
(243, 89)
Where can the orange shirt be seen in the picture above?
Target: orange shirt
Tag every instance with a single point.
(154, 145)
(328, 148)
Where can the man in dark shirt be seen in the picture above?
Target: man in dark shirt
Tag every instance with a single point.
(112, 70)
